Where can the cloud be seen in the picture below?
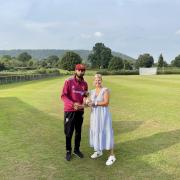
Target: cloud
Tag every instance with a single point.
(42, 26)
(178, 32)
(98, 34)
(14, 10)
(91, 36)
(86, 36)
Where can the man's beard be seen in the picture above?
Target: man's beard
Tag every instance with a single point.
(80, 76)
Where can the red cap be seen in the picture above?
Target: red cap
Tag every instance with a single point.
(80, 67)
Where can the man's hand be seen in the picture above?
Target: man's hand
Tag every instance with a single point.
(78, 106)
(87, 102)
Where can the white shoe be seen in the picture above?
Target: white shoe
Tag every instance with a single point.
(110, 160)
(96, 154)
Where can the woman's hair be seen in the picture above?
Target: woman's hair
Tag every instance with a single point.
(99, 76)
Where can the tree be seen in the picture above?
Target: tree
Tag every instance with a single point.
(93, 60)
(145, 60)
(7, 61)
(165, 64)
(52, 61)
(161, 61)
(24, 57)
(16, 63)
(100, 56)
(43, 63)
(31, 63)
(69, 60)
(2, 66)
(6, 58)
(116, 63)
(176, 61)
(127, 65)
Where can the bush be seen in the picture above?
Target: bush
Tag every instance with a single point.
(52, 71)
(136, 72)
(172, 71)
(126, 72)
(41, 71)
(47, 71)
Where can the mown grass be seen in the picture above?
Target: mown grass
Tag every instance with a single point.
(145, 112)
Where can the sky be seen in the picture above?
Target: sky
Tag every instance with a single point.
(132, 27)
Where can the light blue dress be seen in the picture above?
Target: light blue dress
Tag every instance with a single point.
(101, 132)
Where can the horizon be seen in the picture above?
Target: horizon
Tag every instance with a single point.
(155, 60)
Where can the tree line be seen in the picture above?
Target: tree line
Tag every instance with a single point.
(100, 58)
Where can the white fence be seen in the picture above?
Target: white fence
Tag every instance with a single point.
(20, 78)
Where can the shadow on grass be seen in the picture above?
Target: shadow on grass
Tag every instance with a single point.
(131, 154)
(130, 162)
(125, 126)
(150, 144)
(32, 147)
(31, 140)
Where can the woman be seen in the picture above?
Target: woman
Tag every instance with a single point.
(101, 132)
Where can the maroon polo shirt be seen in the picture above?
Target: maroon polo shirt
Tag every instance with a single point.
(73, 91)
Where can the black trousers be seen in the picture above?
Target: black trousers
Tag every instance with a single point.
(73, 120)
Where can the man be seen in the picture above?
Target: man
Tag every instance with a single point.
(74, 91)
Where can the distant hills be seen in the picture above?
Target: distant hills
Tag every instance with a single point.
(43, 53)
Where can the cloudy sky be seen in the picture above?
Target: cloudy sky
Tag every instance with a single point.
(131, 27)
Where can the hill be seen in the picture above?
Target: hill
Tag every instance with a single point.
(43, 53)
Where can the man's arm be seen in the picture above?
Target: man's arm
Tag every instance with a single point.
(78, 106)
(65, 94)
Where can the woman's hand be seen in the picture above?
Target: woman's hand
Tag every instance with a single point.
(92, 104)
(87, 101)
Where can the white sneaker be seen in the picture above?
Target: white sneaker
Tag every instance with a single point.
(96, 154)
(110, 160)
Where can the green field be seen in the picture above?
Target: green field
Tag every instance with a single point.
(146, 122)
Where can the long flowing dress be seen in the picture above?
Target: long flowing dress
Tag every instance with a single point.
(101, 132)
